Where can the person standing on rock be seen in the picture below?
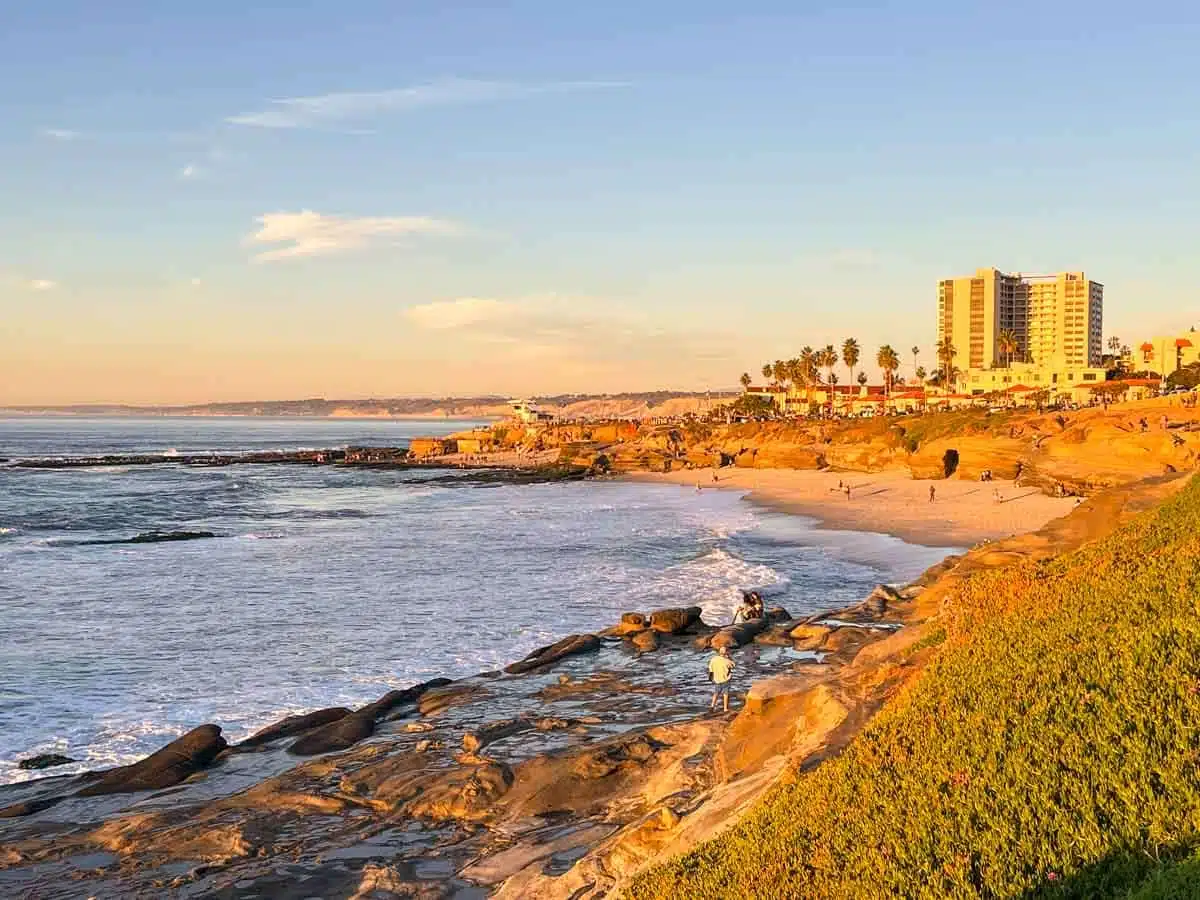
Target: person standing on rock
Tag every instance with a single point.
(720, 670)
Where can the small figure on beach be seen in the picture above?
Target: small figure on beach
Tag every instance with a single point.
(932, 492)
(715, 478)
(996, 495)
(847, 492)
(720, 670)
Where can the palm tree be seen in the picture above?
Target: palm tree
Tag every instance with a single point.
(779, 370)
(921, 373)
(850, 355)
(862, 378)
(745, 380)
(808, 366)
(767, 370)
(916, 351)
(1114, 344)
(946, 351)
(889, 362)
(1007, 344)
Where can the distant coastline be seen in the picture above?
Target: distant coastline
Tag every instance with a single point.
(624, 405)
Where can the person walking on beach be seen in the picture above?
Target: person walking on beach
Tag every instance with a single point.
(720, 670)
(931, 493)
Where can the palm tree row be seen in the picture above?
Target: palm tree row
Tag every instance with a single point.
(804, 370)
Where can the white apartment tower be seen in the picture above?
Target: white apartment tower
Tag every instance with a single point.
(1056, 320)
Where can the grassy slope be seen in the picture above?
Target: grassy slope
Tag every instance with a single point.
(1050, 751)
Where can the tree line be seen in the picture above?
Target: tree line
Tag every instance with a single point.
(815, 367)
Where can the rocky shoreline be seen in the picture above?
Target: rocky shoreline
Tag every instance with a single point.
(561, 776)
(561, 771)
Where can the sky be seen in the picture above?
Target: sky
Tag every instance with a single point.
(204, 202)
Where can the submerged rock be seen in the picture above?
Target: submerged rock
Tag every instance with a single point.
(44, 761)
(29, 807)
(544, 656)
(164, 768)
(645, 641)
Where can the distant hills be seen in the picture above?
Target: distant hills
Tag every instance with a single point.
(638, 405)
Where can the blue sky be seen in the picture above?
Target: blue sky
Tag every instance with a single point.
(359, 199)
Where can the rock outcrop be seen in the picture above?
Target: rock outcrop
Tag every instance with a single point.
(167, 767)
(552, 653)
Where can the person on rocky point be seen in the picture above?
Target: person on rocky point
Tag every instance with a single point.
(720, 670)
(750, 610)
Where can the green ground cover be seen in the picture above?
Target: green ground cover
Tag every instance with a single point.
(1050, 751)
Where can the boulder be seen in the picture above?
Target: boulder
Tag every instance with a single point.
(645, 641)
(774, 636)
(881, 599)
(778, 614)
(737, 635)
(462, 794)
(474, 741)
(164, 768)
(392, 699)
(545, 656)
(675, 621)
(810, 636)
(44, 761)
(294, 725)
(337, 735)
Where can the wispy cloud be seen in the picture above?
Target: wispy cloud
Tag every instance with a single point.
(325, 109)
(309, 233)
(61, 134)
(191, 170)
(577, 333)
(41, 284)
(456, 313)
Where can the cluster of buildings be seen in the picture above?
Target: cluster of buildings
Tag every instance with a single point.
(1017, 339)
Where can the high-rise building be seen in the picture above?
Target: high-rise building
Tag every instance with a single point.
(1056, 321)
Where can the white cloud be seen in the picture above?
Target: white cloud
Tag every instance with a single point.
(457, 313)
(310, 112)
(61, 134)
(309, 233)
(191, 170)
(41, 284)
(566, 330)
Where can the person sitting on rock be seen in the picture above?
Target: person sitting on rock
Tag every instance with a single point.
(750, 610)
(720, 670)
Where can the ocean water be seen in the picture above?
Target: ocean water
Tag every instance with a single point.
(327, 586)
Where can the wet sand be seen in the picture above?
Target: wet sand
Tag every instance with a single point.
(963, 513)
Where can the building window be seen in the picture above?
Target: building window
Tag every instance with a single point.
(1089, 376)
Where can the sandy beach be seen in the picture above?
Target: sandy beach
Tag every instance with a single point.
(963, 513)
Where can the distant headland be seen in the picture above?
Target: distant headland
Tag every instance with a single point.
(631, 405)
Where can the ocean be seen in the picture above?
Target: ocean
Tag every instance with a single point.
(327, 586)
